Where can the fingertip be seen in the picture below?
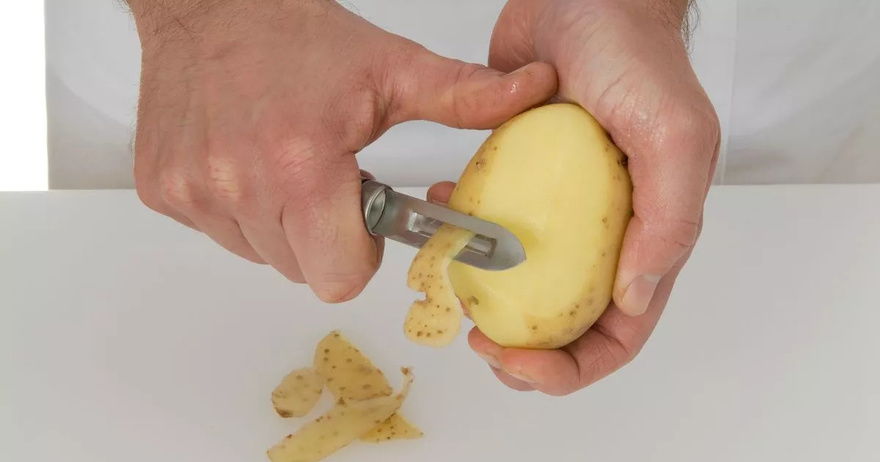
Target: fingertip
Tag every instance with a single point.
(634, 298)
(338, 291)
(466, 95)
(483, 345)
(440, 192)
(512, 382)
(343, 288)
(553, 372)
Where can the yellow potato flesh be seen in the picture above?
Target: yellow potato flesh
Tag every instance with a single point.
(340, 426)
(554, 178)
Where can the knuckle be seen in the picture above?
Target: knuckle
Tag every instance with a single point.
(617, 355)
(621, 347)
(600, 359)
(145, 181)
(465, 101)
(666, 242)
(175, 189)
(223, 180)
(147, 192)
(300, 175)
(149, 198)
(670, 233)
(681, 233)
(693, 130)
(395, 83)
(359, 117)
(293, 159)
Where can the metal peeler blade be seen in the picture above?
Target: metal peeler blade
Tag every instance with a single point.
(412, 221)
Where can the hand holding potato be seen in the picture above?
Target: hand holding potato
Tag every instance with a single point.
(251, 114)
(626, 63)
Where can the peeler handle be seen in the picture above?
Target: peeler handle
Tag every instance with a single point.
(372, 201)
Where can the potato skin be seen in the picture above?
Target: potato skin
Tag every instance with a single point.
(436, 320)
(552, 176)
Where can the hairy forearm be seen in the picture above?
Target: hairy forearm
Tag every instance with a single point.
(161, 17)
(170, 19)
(170, 8)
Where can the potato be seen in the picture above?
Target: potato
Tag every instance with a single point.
(554, 178)
(339, 427)
(394, 428)
(297, 393)
(436, 320)
(347, 373)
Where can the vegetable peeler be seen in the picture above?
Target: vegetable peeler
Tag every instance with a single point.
(412, 221)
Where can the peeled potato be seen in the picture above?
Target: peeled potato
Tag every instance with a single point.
(340, 426)
(297, 393)
(554, 178)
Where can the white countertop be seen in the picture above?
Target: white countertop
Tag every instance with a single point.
(126, 337)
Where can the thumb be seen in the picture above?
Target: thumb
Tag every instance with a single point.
(426, 86)
(671, 175)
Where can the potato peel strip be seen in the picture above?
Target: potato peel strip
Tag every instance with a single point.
(436, 320)
(344, 423)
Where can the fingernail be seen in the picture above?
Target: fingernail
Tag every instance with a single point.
(337, 292)
(639, 294)
(520, 376)
(490, 360)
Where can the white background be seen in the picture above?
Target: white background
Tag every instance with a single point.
(167, 350)
(23, 159)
